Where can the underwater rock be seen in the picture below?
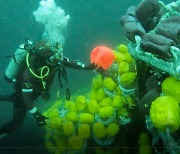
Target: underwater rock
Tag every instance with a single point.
(146, 100)
(131, 27)
(153, 91)
(131, 11)
(152, 82)
(146, 10)
(157, 44)
(170, 28)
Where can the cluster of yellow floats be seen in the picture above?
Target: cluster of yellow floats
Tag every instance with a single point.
(99, 114)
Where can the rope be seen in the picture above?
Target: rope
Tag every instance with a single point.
(169, 144)
(172, 67)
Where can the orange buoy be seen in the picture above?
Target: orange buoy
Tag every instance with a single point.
(102, 56)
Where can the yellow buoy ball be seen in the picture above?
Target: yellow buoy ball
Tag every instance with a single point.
(55, 123)
(128, 59)
(93, 106)
(117, 101)
(127, 78)
(122, 48)
(72, 116)
(145, 149)
(75, 142)
(68, 128)
(53, 112)
(84, 131)
(106, 112)
(70, 106)
(109, 84)
(61, 144)
(97, 82)
(93, 94)
(119, 57)
(123, 67)
(100, 94)
(118, 91)
(143, 139)
(112, 129)
(80, 103)
(99, 130)
(164, 113)
(171, 87)
(105, 102)
(86, 118)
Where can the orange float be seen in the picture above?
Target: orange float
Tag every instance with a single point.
(102, 56)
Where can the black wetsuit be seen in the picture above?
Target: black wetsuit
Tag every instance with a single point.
(28, 87)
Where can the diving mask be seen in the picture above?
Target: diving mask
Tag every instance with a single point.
(57, 56)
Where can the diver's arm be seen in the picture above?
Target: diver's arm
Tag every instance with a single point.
(77, 64)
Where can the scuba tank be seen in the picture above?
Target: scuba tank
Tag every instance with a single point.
(17, 62)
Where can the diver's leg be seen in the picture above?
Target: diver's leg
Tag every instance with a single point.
(19, 113)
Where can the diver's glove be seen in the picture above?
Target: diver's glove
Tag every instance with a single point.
(39, 117)
(91, 66)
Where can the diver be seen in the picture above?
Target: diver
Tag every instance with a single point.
(32, 69)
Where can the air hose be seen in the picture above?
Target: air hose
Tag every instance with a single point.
(41, 76)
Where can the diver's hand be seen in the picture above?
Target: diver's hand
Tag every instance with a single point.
(40, 119)
(102, 72)
(91, 66)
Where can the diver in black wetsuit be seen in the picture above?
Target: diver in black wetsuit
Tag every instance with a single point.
(33, 80)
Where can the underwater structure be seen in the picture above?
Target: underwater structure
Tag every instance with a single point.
(95, 115)
(155, 45)
(144, 77)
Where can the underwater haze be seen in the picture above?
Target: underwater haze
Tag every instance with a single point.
(92, 23)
